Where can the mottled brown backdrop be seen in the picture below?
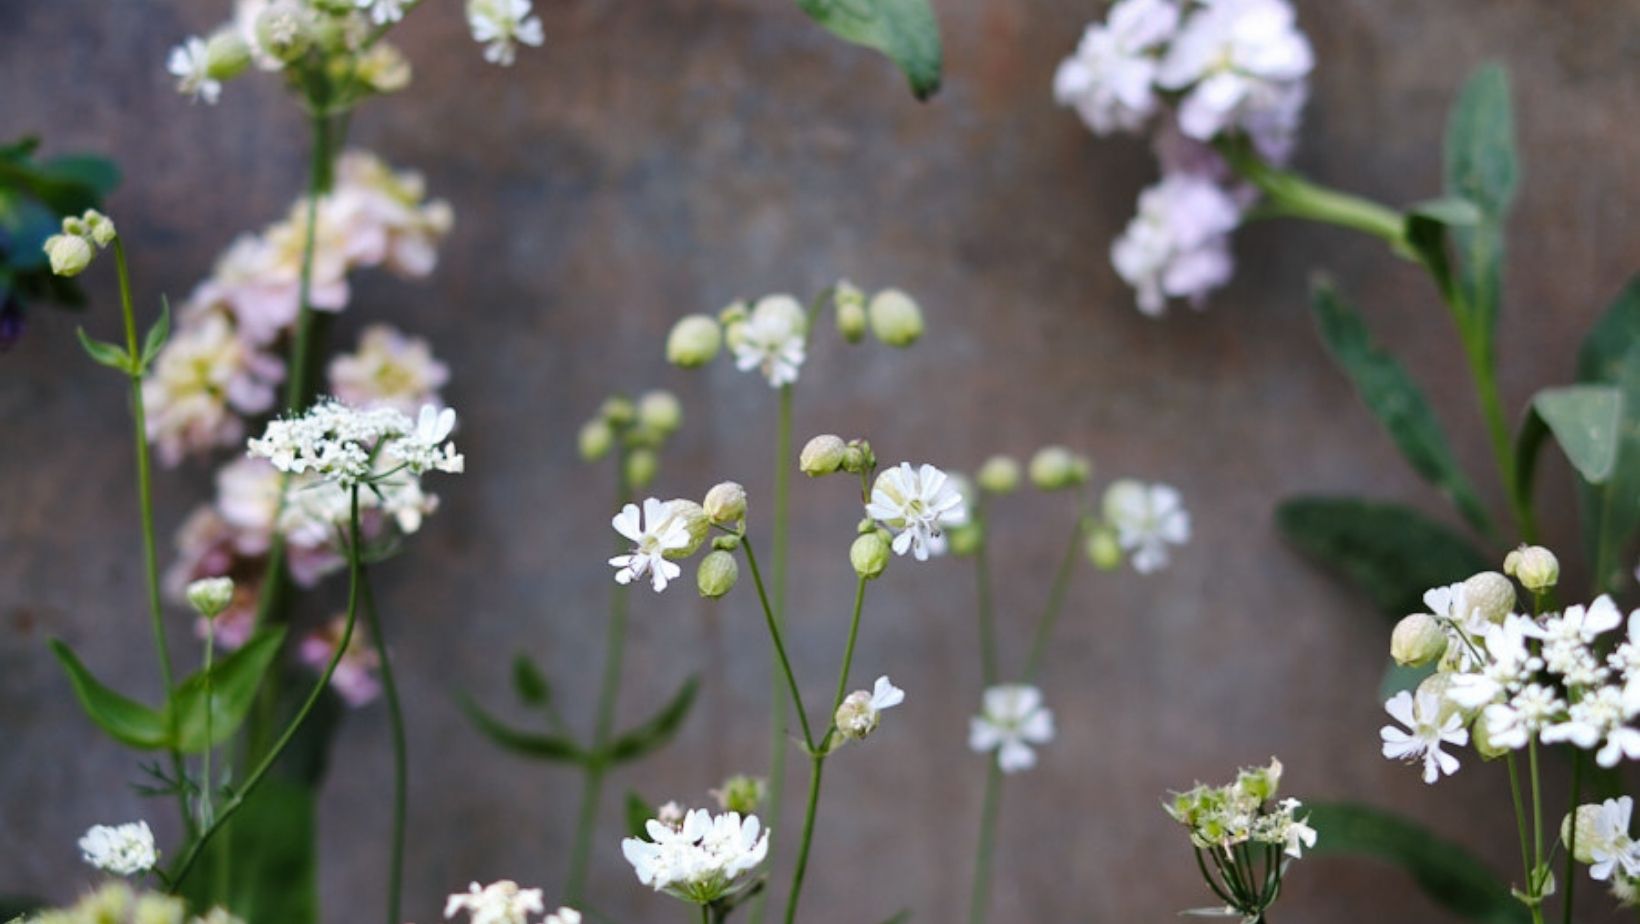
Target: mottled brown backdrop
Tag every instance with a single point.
(664, 156)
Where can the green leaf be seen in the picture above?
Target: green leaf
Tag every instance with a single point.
(1452, 211)
(538, 745)
(1611, 512)
(266, 856)
(1585, 420)
(1399, 405)
(1481, 167)
(904, 30)
(157, 335)
(97, 175)
(1447, 873)
(659, 729)
(234, 681)
(638, 814)
(529, 683)
(126, 720)
(1392, 553)
(106, 354)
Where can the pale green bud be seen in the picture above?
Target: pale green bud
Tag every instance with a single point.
(1055, 467)
(153, 908)
(741, 793)
(1535, 567)
(999, 475)
(693, 517)
(226, 55)
(210, 596)
(822, 455)
(75, 225)
(858, 457)
(895, 318)
(850, 303)
(98, 227)
(285, 31)
(1417, 640)
(1104, 550)
(1481, 741)
(694, 341)
(595, 439)
(1489, 594)
(70, 254)
(641, 467)
(717, 573)
(384, 68)
(619, 411)
(734, 312)
(855, 719)
(869, 554)
(1588, 832)
(660, 411)
(725, 504)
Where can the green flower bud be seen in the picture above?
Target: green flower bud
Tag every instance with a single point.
(734, 313)
(383, 68)
(822, 455)
(595, 439)
(1535, 567)
(966, 539)
(741, 793)
(1055, 467)
(895, 318)
(725, 504)
(693, 517)
(660, 411)
(1489, 594)
(285, 31)
(1588, 832)
(98, 227)
(210, 596)
(858, 457)
(999, 475)
(717, 574)
(619, 411)
(226, 55)
(850, 303)
(70, 254)
(641, 467)
(1481, 741)
(869, 555)
(726, 543)
(694, 341)
(1417, 640)
(1104, 549)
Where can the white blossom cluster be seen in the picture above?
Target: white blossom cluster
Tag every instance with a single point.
(119, 903)
(1245, 811)
(348, 446)
(504, 902)
(1194, 72)
(124, 850)
(702, 859)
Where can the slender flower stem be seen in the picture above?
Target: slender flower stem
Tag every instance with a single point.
(1520, 819)
(986, 610)
(207, 805)
(705, 914)
(848, 650)
(1537, 828)
(186, 862)
(778, 705)
(395, 714)
(1571, 840)
(1056, 601)
(783, 662)
(979, 900)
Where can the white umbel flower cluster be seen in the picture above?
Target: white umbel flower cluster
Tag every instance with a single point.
(917, 505)
(124, 850)
(342, 444)
(500, 902)
(1013, 720)
(701, 860)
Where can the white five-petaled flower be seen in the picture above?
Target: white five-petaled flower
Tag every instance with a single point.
(1013, 719)
(918, 505)
(857, 716)
(1507, 660)
(190, 65)
(1613, 849)
(501, 25)
(771, 339)
(384, 12)
(1148, 518)
(703, 859)
(123, 850)
(653, 535)
(1111, 77)
(1425, 732)
(1178, 244)
(497, 903)
(1299, 835)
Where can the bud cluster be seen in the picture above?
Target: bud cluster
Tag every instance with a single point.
(640, 428)
(71, 251)
(1241, 824)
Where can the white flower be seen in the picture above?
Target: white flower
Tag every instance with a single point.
(425, 448)
(497, 903)
(1428, 731)
(1612, 847)
(1013, 719)
(1598, 715)
(701, 860)
(383, 12)
(771, 340)
(1110, 79)
(857, 716)
(342, 444)
(1177, 246)
(1567, 641)
(1298, 834)
(1148, 518)
(123, 850)
(1508, 660)
(563, 916)
(190, 65)
(1240, 63)
(1512, 724)
(499, 24)
(653, 535)
(917, 504)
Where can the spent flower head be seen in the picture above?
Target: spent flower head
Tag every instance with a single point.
(860, 712)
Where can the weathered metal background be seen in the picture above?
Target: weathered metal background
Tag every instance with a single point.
(665, 156)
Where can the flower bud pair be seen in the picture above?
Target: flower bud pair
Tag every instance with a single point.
(717, 574)
(870, 553)
(1055, 467)
(725, 504)
(1535, 567)
(850, 303)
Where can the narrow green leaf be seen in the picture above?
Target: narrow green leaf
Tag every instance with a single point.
(1392, 553)
(1585, 420)
(106, 354)
(1481, 166)
(659, 729)
(157, 335)
(1610, 355)
(126, 720)
(234, 681)
(538, 745)
(529, 683)
(1445, 871)
(904, 30)
(1399, 405)
(638, 813)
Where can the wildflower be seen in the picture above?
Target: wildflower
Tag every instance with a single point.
(917, 504)
(1013, 719)
(595, 439)
(1534, 566)
(426, 447)
(354, 679)
(999, 475)
(694, 341)
(500, 902)
(869, 554)
(822, 455)
(389, 369)
(284, 30)
(501, 25)
(340, 444)
(69, 254)
(771, 339)
(1239, 63)
(660, 412)
(725, 504)
(717, 574)
(860, 711)
(210, 596)
(1147, 518)
(654, 534)
(124, 850)
(895, 318)
(1110, 79)
(704, 859)
(1512, 723)
(563, 916)
(202, 380)
(1427, 729)
(384, 12)
(1177, 246)
(190, 64)
(1055, 467)
(741, 793)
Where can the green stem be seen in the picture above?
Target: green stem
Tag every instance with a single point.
(1537, 828)
(782, 662)
(986, 611)
(1292, 196)
(778, 704)
(1520, 820)
(229, 808)
(1571, 840)
(705, 914)
(1056, 601)
(395, 713)
(207, 805)
(817, 764)
(979, 899)
(848, 649)
(1482, 360)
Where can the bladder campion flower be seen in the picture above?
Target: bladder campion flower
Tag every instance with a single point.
(1013, 720)
(860, 711)
(500, 902)
(917, 505)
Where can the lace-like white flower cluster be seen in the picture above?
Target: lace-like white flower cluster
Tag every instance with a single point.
(504, 902)
(124, 850)
(1245, 811)
(702, 859)
(348, 446)
(1197, 71)
(1505, 679)
(118, 903)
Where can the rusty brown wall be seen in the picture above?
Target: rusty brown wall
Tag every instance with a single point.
(664, 156)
